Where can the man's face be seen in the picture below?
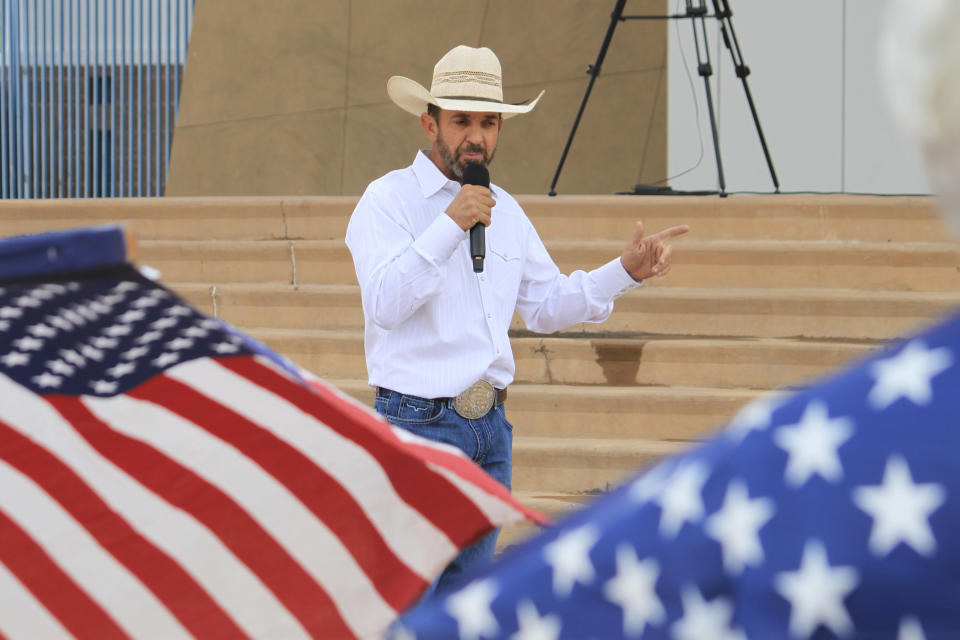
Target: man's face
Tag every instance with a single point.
(462, 138)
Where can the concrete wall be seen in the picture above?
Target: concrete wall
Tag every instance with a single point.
(288, 97)
(815, 84)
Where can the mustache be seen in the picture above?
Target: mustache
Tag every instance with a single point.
(472, 148)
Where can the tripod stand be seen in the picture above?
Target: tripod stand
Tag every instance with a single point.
(696, 11)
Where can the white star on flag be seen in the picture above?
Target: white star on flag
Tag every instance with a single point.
(909, 374)
(135, 353)
(15, 359)
(756, 416)
(42, 293)
(10, 313)
(736, 526)
(145, 302)
(150, 336)
(61, 367)
(118, 330)
(651, 482)
(126, 285)
(134, 315)
(224, 347)
(180, 343)
(72, 357)
(178, 310)
(74, 317)
(681, 498)
(103, 343)
(633, 590)
(87, 313)
(121, 369)
(900, 510)
(42, 331)
(569, 557)
(531, 626)
(60, 323)
(812, 445)
(470, 607)
(26, 343)
(103, 386)
(702, 619)
(816, 592)
(164, 359)
(164, 323)
(91, 353)
(47, 380)
(910, 629)
(27, 301)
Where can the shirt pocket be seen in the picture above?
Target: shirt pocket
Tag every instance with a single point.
(506, 268)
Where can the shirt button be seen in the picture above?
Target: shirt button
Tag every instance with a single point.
(489, 316)
(483, 279)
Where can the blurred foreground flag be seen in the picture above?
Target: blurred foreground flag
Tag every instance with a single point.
(830, 513)
(164, 476)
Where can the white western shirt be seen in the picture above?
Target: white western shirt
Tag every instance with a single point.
(433, 326)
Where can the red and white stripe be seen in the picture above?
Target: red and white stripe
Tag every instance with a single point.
(223, 499)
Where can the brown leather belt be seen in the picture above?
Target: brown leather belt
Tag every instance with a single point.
(471, 404)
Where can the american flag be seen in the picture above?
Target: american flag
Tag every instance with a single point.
(164, 476)
(832, 512)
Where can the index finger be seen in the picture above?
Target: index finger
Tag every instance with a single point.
(673, 232)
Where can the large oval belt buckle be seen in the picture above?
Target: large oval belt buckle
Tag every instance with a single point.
(476, 401)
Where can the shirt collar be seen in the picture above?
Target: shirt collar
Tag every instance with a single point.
(431, 179)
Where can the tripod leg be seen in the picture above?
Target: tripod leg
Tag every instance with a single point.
(705, 69)
(724, 15)
(594, 71)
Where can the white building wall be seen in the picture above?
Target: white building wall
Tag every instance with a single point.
(817, 94)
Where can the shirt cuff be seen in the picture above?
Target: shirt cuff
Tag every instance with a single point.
(612, 280)
(440, 239)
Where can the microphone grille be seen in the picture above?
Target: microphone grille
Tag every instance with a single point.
(476, 174)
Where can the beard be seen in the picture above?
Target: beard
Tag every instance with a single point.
(453, 160)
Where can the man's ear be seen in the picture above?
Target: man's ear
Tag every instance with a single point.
(429, 126)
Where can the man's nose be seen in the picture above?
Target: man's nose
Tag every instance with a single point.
(475, 134)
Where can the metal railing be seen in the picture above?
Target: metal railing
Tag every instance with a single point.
(89, 91)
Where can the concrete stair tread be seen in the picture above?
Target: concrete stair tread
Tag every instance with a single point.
(675, 293)
(585, 464)
(778, 312)
(806, 216)
(555, 505)
(623, 360)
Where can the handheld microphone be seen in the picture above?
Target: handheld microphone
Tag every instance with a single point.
(477, 174)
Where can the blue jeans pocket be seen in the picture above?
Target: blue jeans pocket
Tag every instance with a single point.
(411, 410)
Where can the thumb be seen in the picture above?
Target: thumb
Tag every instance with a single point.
(638, 233)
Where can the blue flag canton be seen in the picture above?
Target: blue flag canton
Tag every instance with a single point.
(828, 513)
(103, 335)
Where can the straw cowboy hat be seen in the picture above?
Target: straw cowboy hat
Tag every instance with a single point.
(465, 79)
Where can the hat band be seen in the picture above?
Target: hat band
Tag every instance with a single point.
(456, 77)
(470, 98)
(511, 104)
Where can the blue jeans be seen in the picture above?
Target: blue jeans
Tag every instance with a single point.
(488, 441)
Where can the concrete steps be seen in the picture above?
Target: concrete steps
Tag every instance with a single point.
(623, 360)
(683, 311)
(715, 263)
(766, 293)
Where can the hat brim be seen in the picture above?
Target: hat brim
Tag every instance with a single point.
(413, 97)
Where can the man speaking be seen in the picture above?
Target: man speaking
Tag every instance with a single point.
(436, 329)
